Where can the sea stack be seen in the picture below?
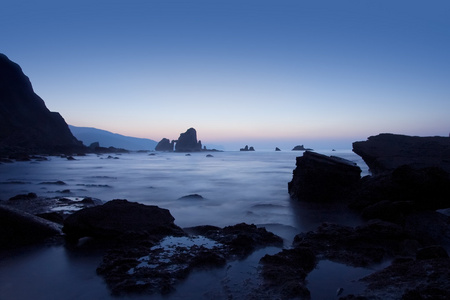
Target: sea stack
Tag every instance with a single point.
(187, 142)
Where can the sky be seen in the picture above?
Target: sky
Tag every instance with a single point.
(262, 73)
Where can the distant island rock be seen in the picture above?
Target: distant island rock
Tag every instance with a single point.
(386, 152)
(165, 145)
(26, 124)
(301, 148)
(187, 142)
(247, 148)
(277, 149)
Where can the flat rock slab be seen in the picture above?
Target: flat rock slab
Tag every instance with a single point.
(386, 152)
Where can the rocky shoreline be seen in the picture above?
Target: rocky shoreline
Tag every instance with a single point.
(145, 252)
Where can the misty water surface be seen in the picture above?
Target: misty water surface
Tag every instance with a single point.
(236, 187)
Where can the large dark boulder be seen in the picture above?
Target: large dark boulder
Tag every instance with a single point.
(119, 218)
(18, 228)
(187, 142)
(165, 145)
(386, 152)
(392, 196)
(322, 178)
(26, 125)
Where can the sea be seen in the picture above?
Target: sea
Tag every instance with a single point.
(235, 187)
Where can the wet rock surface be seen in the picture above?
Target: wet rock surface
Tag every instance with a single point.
(408, 280)
(285, 272)
(360, 246)
(158, 266)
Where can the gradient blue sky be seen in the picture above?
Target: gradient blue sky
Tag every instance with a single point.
(240, 72)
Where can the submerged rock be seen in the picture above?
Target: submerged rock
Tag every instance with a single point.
(322, 178)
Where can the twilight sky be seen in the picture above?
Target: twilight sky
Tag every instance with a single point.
(259, 72)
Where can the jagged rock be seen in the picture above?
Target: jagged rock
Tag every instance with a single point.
(322, 178)
(165, 145)
(18, 228)
(386, 152)
(26, 125)
(247, 148)
(118, 218)
(187, 142)
(277, 149)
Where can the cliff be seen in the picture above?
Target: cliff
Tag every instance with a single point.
(26, 125)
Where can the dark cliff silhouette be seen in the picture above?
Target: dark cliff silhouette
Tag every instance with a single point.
(26, 125)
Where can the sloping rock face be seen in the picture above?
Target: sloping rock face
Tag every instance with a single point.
(25, 122)
(164, 145)
(322, 178)
(18, 228)
(187, 142)
(118, 218)
(386, 152)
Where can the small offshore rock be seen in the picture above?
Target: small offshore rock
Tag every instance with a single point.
(192, 196)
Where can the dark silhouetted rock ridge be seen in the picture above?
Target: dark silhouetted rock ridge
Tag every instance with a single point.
(386, 152)
(26, 124)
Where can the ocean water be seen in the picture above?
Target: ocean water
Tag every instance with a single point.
(235, 187)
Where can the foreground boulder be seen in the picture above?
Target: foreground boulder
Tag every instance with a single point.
(322, 178)
(18, 228)
(119, 218)
(386, 152)
(26, 125)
